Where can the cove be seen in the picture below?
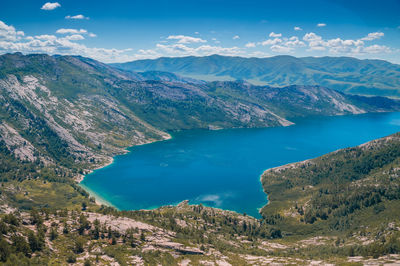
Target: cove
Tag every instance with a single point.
(222, 168)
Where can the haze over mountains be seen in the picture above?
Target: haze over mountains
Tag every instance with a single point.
(350, 75)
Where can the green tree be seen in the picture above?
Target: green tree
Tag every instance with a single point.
(79, 245)
(5, 250)
(53, 233)
(21, 245)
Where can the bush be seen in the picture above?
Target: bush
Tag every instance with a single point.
(71, 258)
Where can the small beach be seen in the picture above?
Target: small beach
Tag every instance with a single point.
(110, 160)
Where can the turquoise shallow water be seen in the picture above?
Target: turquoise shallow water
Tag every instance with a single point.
(222, 168)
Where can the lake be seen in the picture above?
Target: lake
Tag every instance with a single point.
(222, 168)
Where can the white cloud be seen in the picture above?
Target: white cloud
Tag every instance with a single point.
(271, 42)
(316, 48)
(377, 49)
(314, 41)
(275, 35)
(345, 47)
(92, 35)
(373, 36)
(321, 25)
(297, 28)
(76, 17)
(69, 42)
(250, 45)
(8, 33)
(50, 6)
(149, 53)
(71, 31)
(311, 37)
(43, 37)
(75, 37)
(236, 37)
(178, 49)
(283, 45)
(281, 49)
(294, 42)
(14, 41)
(186, 39)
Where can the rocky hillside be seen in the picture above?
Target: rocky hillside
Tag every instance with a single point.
(181, 235)
(61, 116)
(351, 75)
(73, 112)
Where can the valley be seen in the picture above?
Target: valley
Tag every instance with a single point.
(65, 116)
(347, 74)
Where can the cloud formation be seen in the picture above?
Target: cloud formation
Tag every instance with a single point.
(8, 33)
(70, 41)
(50, 6)
(348, 47)
(80, 16)
(250, 45)
(321, 25)
(71, 31)
(282, 45)
(186, 39)
(275, 35)
(179, 49)
(297, 28)
(12, 40)
(373, 36)
(75, 37)
(236, 37)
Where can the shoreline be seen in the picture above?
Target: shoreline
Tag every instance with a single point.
(99, 200)
(109, 160)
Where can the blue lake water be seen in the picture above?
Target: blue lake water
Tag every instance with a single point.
(222, 168)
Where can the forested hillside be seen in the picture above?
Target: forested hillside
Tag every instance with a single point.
(352, 193)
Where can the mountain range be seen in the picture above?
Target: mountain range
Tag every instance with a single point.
(73, 111)
(62, 116)
(346, 74)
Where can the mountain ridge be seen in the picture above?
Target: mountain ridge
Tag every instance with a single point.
(94, 110)
(348, 74)
(62, 116)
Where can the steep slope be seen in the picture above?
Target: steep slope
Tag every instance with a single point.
(350, 193)
(63, 115)
(56, 111)
(301, 101)
(365, 77)
(74, 112)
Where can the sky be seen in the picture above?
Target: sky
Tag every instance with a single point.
(126, 30)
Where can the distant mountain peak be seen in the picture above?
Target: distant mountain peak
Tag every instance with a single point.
(351, 75)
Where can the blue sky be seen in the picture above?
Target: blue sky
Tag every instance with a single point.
(122, 30)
